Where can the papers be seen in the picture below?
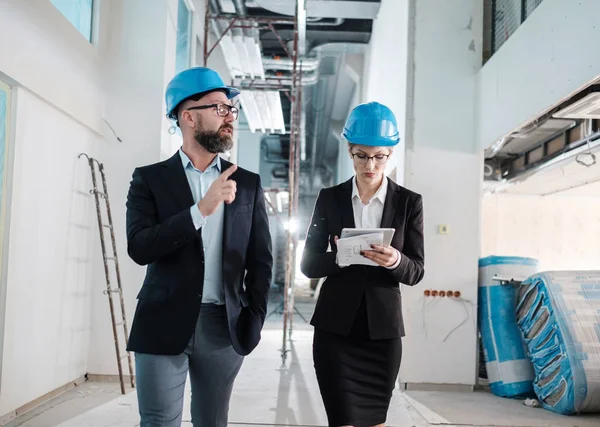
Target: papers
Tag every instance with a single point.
(349, 249)
(388, 233)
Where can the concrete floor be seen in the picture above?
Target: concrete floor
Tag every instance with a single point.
(267, 394)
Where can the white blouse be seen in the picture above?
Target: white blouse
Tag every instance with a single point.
(369, 215)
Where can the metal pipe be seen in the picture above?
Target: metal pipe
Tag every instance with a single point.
(301, 25)
(302, 129)
(496, 147)
(319, 107)
(290, 264)
(206, 24)
(214, 5)
(240, 9)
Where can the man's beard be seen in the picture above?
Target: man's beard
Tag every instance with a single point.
(214, 142)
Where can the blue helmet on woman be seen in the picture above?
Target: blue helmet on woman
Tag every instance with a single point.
(194, 81)
(371, 124)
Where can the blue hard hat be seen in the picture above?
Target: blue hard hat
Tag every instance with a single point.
(191, 82)
(371, 124)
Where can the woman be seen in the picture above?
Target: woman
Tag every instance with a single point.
(358, 317)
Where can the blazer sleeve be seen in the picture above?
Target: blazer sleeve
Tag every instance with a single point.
(411, 269)
(259, 258)
(147, 239)
(316, 261)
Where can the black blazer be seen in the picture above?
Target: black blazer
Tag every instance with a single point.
(342, 291)
(161, 235)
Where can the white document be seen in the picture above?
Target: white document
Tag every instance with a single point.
(388, 233)
(349, 249)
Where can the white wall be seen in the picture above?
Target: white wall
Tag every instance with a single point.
(450, 184)
(57, 318)
(70, 78)
(50, 267)
(386, 70)
(560, 231)
(549, 57)
(50, 264)
(444, 166)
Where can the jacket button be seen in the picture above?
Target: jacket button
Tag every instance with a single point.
(199, 295)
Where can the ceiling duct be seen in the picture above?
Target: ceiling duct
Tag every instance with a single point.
(586, 108)
(584, 105)
(324, 8)
(286, 64)
(521, 141)
(241, 49)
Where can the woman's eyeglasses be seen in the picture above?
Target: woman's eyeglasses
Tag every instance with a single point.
(362, 159)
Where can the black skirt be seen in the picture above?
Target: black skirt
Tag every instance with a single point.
(356, 374)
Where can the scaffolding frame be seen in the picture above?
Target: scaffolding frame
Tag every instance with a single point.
(294, 94)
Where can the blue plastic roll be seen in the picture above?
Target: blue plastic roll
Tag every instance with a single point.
(509, 369)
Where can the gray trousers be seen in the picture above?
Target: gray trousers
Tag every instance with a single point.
(212, 364)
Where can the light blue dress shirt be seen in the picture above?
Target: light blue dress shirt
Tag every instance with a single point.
(212, 228)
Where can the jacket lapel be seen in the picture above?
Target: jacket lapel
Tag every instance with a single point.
(345, 203)
(389, 208)
(180, 187)
(229, 210)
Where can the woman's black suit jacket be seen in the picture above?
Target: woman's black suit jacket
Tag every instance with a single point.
(341, 293)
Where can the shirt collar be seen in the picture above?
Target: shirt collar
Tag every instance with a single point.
(380, 194)
(186, 162)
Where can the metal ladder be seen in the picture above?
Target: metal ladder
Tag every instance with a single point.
(109, 290)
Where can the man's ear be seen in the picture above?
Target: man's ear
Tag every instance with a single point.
(185, 117)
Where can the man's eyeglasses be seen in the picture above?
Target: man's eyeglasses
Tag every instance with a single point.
(362, 159)
(223, 110)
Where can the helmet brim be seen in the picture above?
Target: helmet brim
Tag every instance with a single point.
(230, 93)
(372, 141)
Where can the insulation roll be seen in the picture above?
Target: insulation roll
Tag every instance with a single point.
(509, 370)
(558, 315)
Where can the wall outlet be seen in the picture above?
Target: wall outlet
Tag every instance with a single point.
(443, 229)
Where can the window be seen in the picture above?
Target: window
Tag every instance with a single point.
(184, 30)
(79, 13)
(501, 19)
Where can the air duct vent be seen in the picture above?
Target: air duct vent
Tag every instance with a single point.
(586, 108)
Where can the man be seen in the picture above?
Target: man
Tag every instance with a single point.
(201, 226)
